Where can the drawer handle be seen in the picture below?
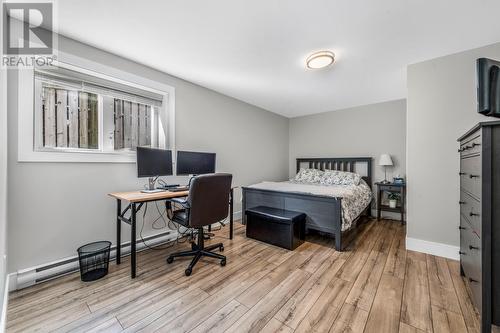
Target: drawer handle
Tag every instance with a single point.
(472, 280)
(461, 253)
(473, 247)
(460, 150)
(475, 144)
(461, 202)
(473, 214)
(462, 228)
(474, 176)
(461, 173)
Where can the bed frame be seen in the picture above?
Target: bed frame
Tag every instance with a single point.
(324, 213)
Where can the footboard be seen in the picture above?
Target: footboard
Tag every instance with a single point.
(323, 213)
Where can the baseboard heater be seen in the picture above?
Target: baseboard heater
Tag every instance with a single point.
(31, 276)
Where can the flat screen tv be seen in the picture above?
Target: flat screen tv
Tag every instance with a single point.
(488, 87)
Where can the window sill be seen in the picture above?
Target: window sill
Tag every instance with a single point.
(76, 157)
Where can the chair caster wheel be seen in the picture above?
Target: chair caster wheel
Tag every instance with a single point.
(170, 260)
(221, 248)
(223, 262)
(188, 271)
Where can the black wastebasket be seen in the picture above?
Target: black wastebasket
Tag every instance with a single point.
(94, 260)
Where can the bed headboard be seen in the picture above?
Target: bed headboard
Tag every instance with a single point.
(361, 165)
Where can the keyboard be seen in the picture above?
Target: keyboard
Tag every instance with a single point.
(179, 189)
(168, 186)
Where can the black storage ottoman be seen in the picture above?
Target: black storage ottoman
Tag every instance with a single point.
(276, 226)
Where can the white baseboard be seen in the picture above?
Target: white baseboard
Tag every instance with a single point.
(24, 278)
(29, 276)
(437, 249)
(237, 215)
(11, 281)
(3, 315)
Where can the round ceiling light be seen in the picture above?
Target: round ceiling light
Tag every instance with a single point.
(320, 59)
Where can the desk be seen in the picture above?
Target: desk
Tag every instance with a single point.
(135, 201)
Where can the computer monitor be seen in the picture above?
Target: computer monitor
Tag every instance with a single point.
(195, 163)
(152, 162)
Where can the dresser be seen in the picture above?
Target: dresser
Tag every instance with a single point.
(480, 218)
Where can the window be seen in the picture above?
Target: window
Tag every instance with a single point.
(78, 112)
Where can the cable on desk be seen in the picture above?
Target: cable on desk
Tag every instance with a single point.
(159, 247)
(165, 224)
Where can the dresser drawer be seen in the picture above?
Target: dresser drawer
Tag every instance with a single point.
(390, 188)
(471, 145)
(470, 208)
(470, 258)
(464, 225)
(470, 251)
(476, 287)
(470, 175)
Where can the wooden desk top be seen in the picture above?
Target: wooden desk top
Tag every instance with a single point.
(138, 196)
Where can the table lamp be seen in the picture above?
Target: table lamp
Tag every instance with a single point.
(385, 160)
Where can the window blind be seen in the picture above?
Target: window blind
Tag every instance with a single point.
(65, 78)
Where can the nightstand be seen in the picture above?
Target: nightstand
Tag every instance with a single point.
(391, 187)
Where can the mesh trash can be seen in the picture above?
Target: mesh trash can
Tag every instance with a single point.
(94, 260)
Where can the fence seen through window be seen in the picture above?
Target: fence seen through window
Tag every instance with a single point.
(71, 120)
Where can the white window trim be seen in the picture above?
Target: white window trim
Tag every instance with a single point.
(27, 151)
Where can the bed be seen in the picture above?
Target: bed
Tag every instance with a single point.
(335, 210)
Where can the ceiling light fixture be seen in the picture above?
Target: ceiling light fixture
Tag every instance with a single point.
(320, 59)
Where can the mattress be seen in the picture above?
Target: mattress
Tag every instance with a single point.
(355, 198)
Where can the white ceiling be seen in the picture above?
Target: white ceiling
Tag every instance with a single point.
(254, 50)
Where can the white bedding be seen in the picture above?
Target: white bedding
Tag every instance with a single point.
(355, 198)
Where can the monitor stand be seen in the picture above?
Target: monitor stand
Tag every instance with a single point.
(156, 190)
(151, 186)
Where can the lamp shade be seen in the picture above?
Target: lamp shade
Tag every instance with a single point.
(385, 160)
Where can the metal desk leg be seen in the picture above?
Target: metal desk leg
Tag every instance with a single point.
(231, 214)
(132, 241)
(118, 230)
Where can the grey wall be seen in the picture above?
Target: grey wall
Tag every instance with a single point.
(361, 131)
(55, 207)
(3, 187)
(441, 107)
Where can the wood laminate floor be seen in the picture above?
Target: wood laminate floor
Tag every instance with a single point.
(374, 286)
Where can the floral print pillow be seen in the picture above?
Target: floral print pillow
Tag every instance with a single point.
(335, 177)
(308, 176)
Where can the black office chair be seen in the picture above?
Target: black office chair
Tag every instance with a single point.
(207, 203)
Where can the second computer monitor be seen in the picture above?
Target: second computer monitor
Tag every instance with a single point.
(195, 163)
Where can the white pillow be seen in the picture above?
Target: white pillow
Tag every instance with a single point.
(335, 177)
(312, 176)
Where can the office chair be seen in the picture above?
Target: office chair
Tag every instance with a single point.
(207, 203)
